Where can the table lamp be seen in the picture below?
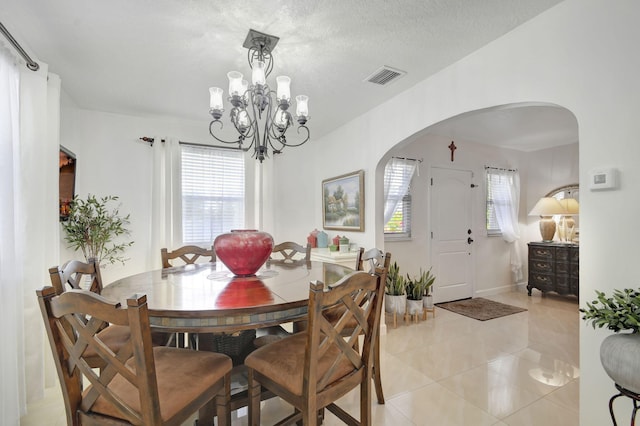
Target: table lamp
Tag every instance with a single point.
(567, 224)
(546, 207)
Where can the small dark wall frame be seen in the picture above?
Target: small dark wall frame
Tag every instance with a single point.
(66, 181)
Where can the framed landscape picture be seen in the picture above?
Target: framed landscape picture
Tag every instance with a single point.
(343, 202)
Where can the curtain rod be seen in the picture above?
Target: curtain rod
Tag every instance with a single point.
(151, 141)
(233, 148)
(499, 168)
(410, 159)
(31, 64)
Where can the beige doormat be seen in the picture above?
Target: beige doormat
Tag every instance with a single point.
(480, 309)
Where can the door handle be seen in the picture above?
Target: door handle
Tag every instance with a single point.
(469, 240)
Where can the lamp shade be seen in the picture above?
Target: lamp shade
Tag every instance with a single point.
(302, 107)
(284, 88)
(258, 75)
(570, 206)
(235, 83)
(215, 101)
(547, 206)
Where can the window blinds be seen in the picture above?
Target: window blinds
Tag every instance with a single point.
(213, 192)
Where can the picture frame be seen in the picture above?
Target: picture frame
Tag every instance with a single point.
(66, 182)
(343, 202)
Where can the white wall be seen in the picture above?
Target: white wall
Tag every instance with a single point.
(581, 55)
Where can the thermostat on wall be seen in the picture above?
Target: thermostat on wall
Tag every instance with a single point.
(603, 179)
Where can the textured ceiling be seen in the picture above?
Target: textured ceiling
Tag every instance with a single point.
(160, 57)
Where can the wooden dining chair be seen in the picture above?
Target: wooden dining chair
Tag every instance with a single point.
(188, 254)
(73, 273)
(141, 384)
(373, 258)
(376, 259)
(286, 253)
(70, 276)
(314, 368)
(289, 252)
(359, 259)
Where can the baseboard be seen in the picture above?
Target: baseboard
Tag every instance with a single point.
(499, 290)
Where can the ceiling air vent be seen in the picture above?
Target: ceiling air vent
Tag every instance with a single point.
(385, 75)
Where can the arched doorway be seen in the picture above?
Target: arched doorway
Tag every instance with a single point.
(540, 140)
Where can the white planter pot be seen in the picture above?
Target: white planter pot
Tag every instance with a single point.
(620, 357)
(428, 302)
(395, 304)
(414, 307)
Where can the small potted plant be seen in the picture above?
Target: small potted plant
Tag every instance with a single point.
(92, 227)
(619, 352)
(395, 299)
(414, 286)
(428, 278)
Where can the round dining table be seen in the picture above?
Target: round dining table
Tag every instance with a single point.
(207, 297)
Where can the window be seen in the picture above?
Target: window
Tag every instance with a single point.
(397, 209)
(212, 193)
(400, 222)
(500, 187)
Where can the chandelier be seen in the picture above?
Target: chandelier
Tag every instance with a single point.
(260, 115)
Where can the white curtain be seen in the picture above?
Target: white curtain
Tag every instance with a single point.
(12, 387)
(29, 229)
(505, 194)
(397, 177)
(164, 206)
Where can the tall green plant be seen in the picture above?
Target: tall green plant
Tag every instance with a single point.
(92, 227)
(395, 282)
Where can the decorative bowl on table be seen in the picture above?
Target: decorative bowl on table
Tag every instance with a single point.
(243, 251)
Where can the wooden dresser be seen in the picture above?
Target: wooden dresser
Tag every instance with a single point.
(554, 267)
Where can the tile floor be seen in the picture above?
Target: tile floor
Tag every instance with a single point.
(521, 370)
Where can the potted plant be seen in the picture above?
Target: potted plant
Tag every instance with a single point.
(395, 300)
(414, 286)
(619, 352)
(92, 226)
(428, 278)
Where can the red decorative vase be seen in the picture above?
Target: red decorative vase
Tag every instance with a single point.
(243, 251)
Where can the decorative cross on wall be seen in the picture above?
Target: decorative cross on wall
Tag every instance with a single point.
(452, 147)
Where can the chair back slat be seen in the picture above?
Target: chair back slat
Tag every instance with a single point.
(188, 254)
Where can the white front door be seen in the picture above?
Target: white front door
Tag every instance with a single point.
(451, 237)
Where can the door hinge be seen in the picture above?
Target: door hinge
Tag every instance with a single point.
(431, 181)
(432, 235)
